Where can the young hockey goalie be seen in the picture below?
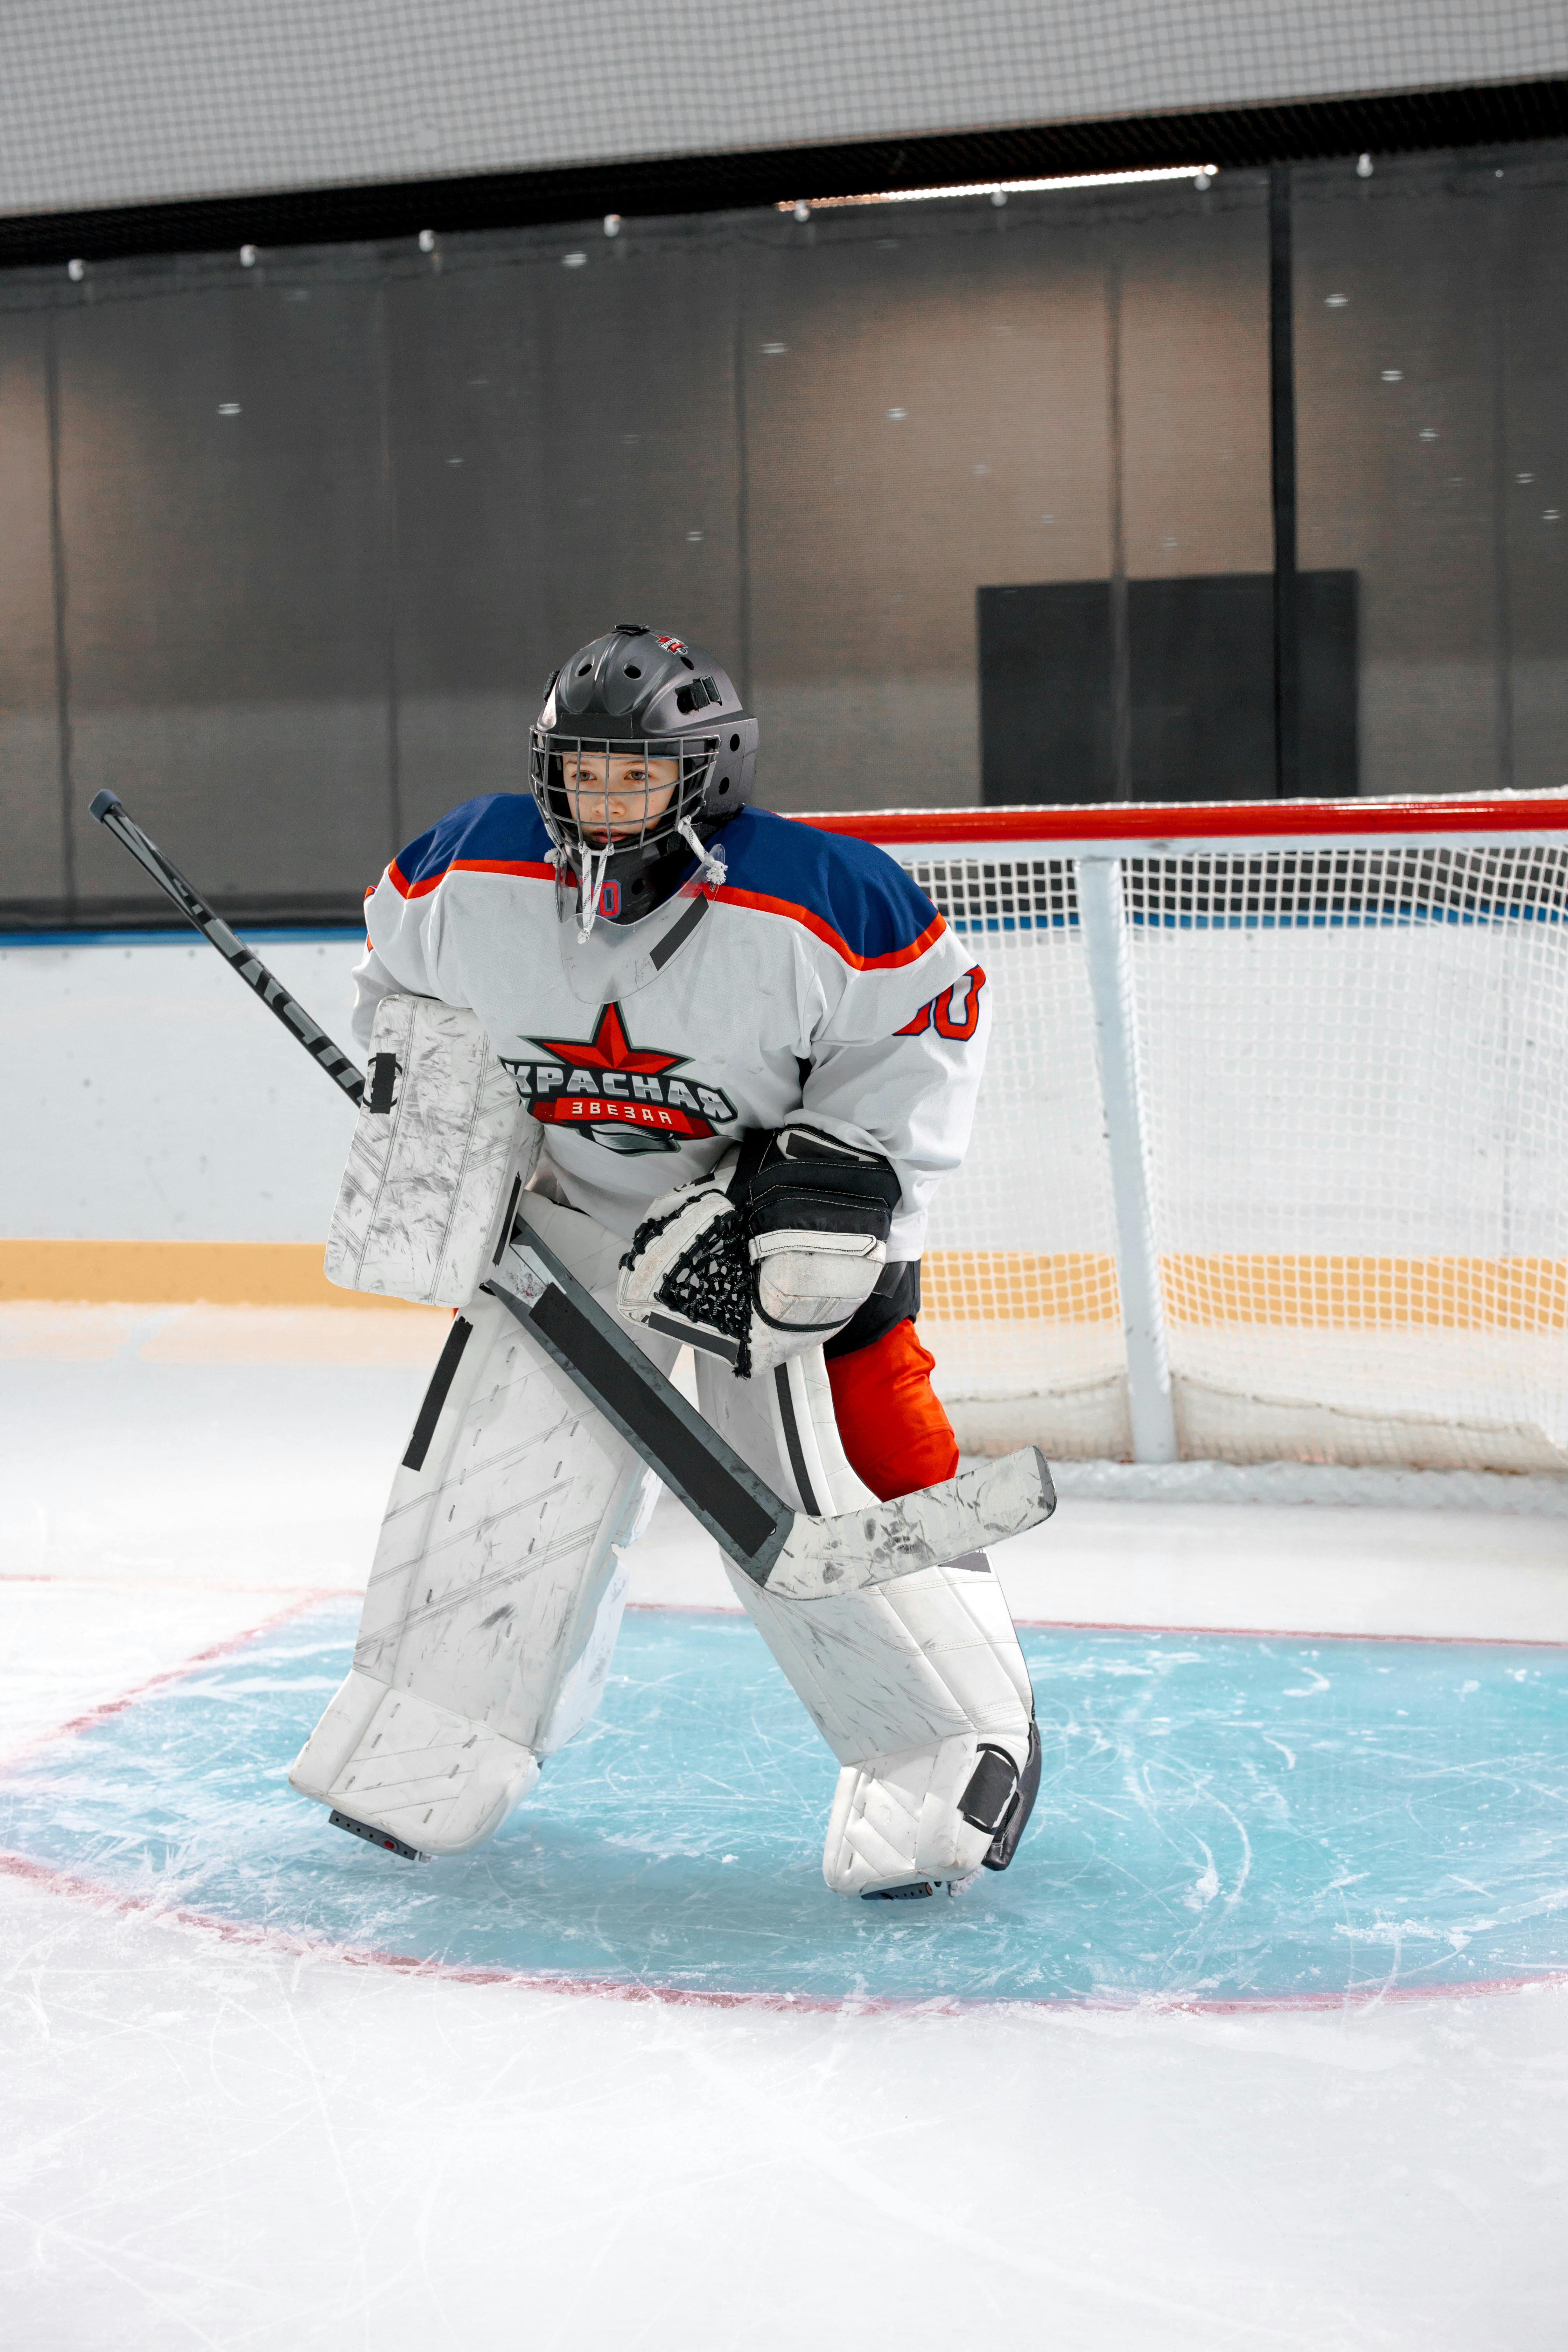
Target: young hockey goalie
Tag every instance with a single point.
(731, 1057)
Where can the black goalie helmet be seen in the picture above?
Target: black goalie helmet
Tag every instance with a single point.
(641, 753)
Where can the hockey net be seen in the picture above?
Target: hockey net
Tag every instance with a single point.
(1348, 1030)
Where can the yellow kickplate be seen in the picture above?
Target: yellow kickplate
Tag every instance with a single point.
(1019, 1286)
(1302, 1291)
(176, 1274)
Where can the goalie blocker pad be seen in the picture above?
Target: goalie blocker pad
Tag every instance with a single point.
(440, 1154)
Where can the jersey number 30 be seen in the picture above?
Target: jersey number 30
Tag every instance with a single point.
(955, 1012)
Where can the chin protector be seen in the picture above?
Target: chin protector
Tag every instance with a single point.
(441, 1151)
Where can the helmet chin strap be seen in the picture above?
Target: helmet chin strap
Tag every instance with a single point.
(590, 882)
(710, 861)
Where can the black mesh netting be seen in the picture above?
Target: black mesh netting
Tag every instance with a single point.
(709, 1282)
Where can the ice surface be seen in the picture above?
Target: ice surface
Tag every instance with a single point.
(235, 1445)
(225, 2144)
(227, 2136)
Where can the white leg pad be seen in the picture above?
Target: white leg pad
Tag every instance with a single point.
(493, 1604)
(904, 1678)
(905, 1681)
(895, 1821)
(399, 1762)
(783, 1425)
(805, 1435)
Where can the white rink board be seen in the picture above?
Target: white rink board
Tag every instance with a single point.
(151, 1096)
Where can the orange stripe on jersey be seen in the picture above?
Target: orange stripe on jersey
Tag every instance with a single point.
(726, 896)
(531, 869)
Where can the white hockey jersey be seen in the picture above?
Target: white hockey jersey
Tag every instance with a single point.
(815, 983)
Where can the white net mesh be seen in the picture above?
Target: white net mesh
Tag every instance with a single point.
(1353, 1074)
(1019, 1276)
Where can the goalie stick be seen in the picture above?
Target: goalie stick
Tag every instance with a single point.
(778, 1548)
(792, 1555)
(109, 811)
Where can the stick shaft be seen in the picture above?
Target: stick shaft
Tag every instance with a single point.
(111, 814)
(739, 1511)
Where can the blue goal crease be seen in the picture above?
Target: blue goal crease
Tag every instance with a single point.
(1221, 1817)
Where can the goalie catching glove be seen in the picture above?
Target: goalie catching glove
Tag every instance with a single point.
(775, 1259)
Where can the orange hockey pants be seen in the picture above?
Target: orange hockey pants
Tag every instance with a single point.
(890, 1420)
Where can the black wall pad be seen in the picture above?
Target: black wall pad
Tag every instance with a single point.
(1202, 680)
(283, 910)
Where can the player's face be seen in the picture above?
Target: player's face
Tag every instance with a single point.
(615, 796)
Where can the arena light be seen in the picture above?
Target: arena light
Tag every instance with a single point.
(1202, 175)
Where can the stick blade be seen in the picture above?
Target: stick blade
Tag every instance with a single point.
(935, 1525)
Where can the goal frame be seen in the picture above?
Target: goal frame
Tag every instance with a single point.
(1098, 839)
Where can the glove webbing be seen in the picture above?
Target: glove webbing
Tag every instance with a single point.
(709, 1282)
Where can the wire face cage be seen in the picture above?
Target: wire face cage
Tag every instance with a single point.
(595, 791)
(616, 807)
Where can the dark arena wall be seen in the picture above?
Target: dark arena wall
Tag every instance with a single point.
(293, 539)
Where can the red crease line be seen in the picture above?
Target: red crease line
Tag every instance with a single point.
(156, 1682)
(57, 1882)
(1293, 1633)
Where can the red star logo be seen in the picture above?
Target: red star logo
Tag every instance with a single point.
(609, 1049)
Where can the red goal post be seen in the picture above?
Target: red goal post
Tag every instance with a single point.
(1271, 1160)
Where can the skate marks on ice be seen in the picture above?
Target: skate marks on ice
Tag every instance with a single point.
(1222, 1818)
